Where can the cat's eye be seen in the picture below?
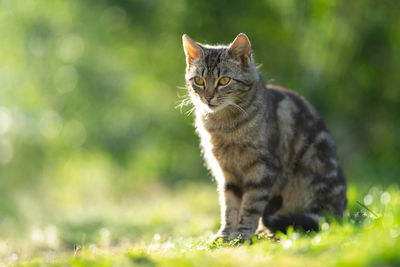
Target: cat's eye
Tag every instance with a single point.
(199, 81)
(224, 81)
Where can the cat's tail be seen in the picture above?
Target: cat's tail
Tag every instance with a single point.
(274, 222)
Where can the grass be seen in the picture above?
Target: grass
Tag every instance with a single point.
(171, 227)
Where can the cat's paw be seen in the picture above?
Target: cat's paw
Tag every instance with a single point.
(223, 234)
(240, 235)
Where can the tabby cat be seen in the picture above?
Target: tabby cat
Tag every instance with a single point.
(271, 154)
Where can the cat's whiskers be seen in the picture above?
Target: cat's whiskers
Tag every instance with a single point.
(185, 101)
(190, 111)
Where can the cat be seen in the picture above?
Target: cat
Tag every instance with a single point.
(271, 154)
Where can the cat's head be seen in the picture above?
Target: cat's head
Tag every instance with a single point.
(219, 76)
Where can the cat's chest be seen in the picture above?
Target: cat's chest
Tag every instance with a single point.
(233, 153)
(230, 151)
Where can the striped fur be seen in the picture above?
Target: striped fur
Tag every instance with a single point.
(261, 143)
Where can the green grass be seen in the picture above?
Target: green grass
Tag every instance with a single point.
(160, 226)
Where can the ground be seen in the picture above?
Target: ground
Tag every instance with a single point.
(164, 226)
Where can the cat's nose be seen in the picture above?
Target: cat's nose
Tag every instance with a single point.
(209, 97)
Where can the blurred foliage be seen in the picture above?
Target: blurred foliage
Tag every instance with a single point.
(88, 91)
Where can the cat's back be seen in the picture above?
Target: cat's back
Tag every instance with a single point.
(301, 137)
(293, 115)
(307, 153)
(283, 99)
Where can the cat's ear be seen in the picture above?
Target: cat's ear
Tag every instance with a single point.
(192, 49)
(240, 49)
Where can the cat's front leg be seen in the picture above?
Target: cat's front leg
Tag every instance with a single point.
(254, 199)
(230, 199)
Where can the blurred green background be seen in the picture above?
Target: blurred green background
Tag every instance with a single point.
(89, 134)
